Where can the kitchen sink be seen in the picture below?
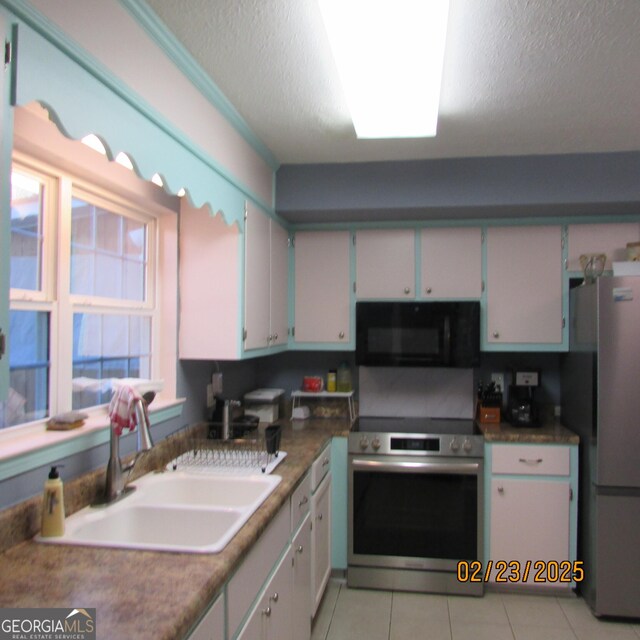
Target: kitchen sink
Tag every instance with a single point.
(172, 511)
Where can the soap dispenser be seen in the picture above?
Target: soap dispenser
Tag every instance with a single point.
(53, 506)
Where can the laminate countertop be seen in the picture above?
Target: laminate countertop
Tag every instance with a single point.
(146, 594)
(549, 433)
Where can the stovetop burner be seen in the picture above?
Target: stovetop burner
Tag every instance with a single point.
(435, 426)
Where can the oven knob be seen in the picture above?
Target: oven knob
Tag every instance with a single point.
(364, 442)
(376, 444)
(467, 445)
(455, 445)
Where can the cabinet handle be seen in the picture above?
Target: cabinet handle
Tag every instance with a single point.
(303, 501)
(496, 334)
(428, 289)
(319, 516)
(500, 489)
(407, 290)
(325, 462)
(267, 612)
(274, 597)
(300, 549)
(530, 460)
(275, 336)
(341, 335)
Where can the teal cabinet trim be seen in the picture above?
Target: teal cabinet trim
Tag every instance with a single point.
(83, 97)
(339, 488)
(81, 442)
(156, 29)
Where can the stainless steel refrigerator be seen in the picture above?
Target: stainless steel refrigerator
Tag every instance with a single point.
(601, 402)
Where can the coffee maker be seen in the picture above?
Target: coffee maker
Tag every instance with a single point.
(522, 409)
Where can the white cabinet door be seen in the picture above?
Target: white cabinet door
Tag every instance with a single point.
(385, 263)
(279, 299)
(266, 281)
(524, 285)
(256, 279)
(451, 262)
(210, 295)
(320, 541)
(610, 239)
(530, 522)
(270, 619)
(322, 286)
(300, 603)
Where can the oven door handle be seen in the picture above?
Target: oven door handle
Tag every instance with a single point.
(415, 467)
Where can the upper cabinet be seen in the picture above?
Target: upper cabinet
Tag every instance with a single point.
(385, 263)
(451, 262)
(524, 304)
(266, 273)
(610, 239)
(322, 288)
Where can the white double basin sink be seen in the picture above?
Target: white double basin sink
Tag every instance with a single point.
(172, 511)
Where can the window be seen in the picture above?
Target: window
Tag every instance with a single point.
(82, 298)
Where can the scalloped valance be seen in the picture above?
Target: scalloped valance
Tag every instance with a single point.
(83, 97)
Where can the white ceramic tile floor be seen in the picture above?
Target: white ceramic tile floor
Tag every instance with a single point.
(354, 614)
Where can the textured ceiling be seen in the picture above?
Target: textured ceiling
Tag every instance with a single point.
(521, 77)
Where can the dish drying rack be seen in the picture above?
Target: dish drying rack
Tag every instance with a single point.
(245, 456)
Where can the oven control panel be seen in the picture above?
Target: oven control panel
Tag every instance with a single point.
(417, 444)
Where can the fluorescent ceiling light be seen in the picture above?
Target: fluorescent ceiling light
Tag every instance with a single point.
(389, 55)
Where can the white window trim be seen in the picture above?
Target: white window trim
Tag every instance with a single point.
(29, 445)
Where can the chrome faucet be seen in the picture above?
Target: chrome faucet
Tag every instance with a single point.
(116, 480)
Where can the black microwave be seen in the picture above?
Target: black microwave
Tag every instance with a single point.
(418, 334)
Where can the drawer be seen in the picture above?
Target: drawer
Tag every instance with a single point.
(249, 578)
(320, 466)
(531, 460)
(300, 502)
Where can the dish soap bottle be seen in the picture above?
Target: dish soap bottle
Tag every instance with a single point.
(53, 506)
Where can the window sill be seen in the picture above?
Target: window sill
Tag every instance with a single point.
(29, 447)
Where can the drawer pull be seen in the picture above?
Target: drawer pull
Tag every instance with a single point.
(300, 549)
(325, 462)
(267, 612)
(500, 489)
(319, 516)
(275, 597)
(303, 501)
(530, 460)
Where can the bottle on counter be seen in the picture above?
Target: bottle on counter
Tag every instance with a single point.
(331, 381)
(53, 506)
(344, 378)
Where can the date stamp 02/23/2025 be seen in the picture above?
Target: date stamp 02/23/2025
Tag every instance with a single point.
(514, 571)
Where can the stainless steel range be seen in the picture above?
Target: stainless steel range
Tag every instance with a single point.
(415, 504)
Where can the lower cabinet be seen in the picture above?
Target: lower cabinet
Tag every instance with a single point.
(301, 561)
(320, 541)
(271, 617)
(532, 501)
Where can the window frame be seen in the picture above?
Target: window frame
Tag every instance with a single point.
(55, 297)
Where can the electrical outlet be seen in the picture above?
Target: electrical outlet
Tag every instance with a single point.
(216, 384)
(498, 378)
(210, 396)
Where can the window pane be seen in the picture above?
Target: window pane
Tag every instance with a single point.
(28, 397)
(27, 197)
(108, 253)
(105, 347)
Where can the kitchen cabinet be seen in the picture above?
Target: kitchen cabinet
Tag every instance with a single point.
(210, 291)
(451, 262)
(532, 502)
(301, 554)
(610, 239)
(211, 627)
(320, 541)
(266, 275)
(322, 306)
(524, 304)
(270, 618)
(385, 263)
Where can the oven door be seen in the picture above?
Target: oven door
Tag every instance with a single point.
(414, 513)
